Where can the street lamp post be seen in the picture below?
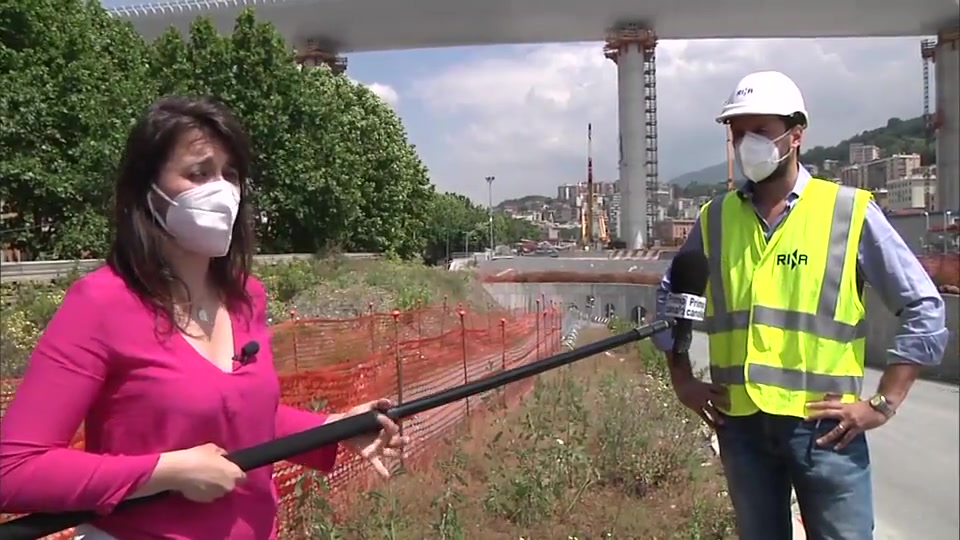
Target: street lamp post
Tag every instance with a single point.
(946, 221)
(490, 211)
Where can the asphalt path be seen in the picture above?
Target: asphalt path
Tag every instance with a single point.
(916, 478)
(564, 264)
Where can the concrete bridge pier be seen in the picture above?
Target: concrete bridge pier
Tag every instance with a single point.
(317, 52)
(631, 47)
(947, 119)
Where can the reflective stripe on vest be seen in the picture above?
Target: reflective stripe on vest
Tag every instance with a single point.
(722, 323)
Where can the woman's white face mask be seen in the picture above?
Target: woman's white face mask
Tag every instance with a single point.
(760, 156)
(201, 219)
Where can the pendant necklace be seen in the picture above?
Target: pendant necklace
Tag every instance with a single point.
(203, 316)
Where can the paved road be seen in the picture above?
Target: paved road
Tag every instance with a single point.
(916, 478)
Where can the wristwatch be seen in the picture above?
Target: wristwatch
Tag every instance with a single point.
(880, 404)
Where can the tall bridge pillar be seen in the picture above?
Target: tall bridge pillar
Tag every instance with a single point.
(947, 118)
(315, 52)
(632, 48)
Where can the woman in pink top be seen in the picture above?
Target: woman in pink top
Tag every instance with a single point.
(144, 352)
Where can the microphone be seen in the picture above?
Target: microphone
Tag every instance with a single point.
(247, 352)
(688, 280)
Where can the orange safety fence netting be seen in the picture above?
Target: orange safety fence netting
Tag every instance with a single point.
(335, 364)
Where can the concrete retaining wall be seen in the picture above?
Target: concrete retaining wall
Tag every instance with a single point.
(621, 299)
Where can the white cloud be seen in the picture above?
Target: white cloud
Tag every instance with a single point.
(386, 93)
(522, 114)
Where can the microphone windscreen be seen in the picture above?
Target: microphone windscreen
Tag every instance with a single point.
(689, 272)
(251, 348)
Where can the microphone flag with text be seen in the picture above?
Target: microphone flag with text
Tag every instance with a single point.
(38, 525)
(685, 303)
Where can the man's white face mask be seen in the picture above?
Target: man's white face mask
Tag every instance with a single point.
(759, 156)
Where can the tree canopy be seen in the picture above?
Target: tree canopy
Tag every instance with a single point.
(457, 224)
(333, 167)
(73, 78)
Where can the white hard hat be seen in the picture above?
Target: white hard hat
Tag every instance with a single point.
(764, 92)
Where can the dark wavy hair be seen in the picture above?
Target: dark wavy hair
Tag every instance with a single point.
(136, 254)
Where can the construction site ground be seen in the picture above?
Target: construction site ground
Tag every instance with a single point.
(599, 449)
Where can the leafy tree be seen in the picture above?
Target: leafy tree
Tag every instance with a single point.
(72, 78)
(396, 190)
(455, 221)
(509, 230)
(333, 168)
(313, 197)
(453, 218)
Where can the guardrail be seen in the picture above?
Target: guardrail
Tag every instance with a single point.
(50, 270)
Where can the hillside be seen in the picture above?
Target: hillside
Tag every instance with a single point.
(528, 202)
(707, 176)
(897, 137)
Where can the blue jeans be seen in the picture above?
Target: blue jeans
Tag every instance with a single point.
(764, 455)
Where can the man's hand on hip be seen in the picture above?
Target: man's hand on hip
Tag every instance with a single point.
(853, 419)
(703, 399)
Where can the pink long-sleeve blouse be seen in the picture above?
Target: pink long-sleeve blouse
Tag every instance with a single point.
(104, 361)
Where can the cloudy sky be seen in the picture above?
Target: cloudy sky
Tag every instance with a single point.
(520, 112)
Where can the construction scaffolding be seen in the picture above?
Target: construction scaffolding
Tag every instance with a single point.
(316, 53)
(649, 48)
(927, 53)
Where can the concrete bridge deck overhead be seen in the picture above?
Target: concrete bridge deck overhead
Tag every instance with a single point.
(376, 25)
(321, 30)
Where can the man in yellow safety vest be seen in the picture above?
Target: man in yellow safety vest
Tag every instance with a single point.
(789, 255)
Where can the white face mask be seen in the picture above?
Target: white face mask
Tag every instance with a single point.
(201, 218)
(759, 156)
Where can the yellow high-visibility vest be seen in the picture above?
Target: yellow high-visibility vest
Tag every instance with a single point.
(785, 317)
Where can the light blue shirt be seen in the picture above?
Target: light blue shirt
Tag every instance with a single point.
(885, 262)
